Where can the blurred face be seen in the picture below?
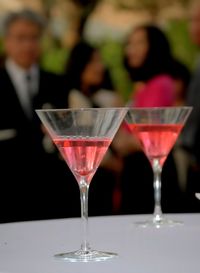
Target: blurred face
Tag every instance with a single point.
(137, 48)
(22, 43)
(94, 70)
(194, 25)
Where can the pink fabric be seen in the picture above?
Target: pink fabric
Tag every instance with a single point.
(157, 92)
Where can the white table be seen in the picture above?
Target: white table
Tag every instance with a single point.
(28, 247)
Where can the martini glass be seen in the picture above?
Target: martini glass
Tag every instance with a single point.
(83, 136)
(157, 129)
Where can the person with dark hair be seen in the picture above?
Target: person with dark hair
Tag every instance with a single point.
(90, 85)
(87, 78)
(149, 62)
(181, 76)
(26, 182)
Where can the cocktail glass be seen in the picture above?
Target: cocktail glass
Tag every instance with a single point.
(83, 136)
(157, 129)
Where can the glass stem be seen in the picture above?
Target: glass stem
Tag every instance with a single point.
(157, 170)
(84, 189)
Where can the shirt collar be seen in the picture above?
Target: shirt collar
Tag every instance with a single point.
(18, 76)
(18, 71)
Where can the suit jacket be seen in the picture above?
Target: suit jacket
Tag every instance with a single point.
(191, 131)
(24, 164)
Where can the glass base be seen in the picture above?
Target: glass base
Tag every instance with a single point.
(158, 222)
(85, 256)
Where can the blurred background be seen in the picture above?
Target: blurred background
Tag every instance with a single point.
(106, 24)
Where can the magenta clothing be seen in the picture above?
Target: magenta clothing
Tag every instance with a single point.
(157, 92)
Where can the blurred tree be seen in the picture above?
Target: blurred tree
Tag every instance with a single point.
(146, 4)
(86, 7)
(76, 12)
(153, 6)
(47, 6)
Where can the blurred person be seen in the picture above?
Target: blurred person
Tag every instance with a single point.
(190, 138)
(26, 168)
(150, 63)
(88, 80)
(90, 85)
(159, 78)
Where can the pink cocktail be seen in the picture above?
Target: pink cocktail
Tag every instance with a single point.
(157, 129)
(157, 139)
(83, 137)
(83, 155)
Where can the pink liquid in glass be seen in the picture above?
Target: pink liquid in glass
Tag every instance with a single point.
(83, 155)
(157, 139)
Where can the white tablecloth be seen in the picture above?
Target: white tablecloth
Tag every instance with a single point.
(28, 247)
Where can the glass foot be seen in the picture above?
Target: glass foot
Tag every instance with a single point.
(158, 221)
(85, 256)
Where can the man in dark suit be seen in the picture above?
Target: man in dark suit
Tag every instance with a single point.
(26, 171)
(190, 137)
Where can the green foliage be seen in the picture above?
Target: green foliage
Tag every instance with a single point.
(54, 56)
(112, 53)
(182, 46)
(54, 59)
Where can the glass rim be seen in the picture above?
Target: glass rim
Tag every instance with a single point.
(81, 109)
(161, 108)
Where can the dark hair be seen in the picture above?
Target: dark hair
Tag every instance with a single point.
(80, 56)
(24, 14)
(159, 58)
(180, 71)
